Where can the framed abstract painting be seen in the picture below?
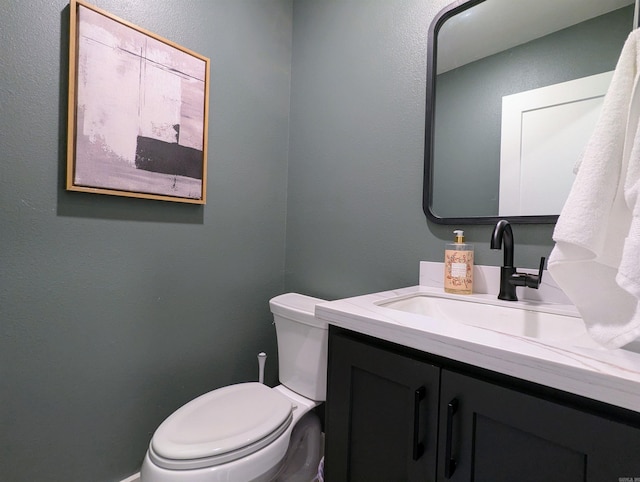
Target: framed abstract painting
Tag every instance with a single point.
(138, 111)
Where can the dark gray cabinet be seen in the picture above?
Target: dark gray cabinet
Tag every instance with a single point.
(381, 415)
(497, 434)
(394, 414)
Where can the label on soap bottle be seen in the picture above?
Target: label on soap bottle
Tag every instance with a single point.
(458, 271)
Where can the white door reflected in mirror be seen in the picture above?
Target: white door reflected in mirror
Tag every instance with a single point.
(545, 131)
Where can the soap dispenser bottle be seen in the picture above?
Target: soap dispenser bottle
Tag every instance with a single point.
(458, 266)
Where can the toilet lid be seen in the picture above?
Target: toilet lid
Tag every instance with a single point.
(237, 419)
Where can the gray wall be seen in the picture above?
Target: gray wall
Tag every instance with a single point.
(115, 311)
(354, 221)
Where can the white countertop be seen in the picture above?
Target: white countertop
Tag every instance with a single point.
(579, 367)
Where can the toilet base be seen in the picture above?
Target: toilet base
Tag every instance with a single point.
(300, 464)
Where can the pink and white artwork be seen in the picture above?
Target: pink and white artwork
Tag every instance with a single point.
(140, 112)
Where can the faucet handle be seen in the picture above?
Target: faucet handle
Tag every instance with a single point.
(533, 281)
(542, 260)
(541, 269)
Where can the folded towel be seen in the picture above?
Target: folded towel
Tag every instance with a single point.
(596, 259)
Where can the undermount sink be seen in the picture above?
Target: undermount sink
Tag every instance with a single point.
(519, 320)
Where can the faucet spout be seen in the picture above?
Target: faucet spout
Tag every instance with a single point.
(503, 234)
(502, 238)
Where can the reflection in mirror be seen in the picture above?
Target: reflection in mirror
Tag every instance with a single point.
(514, 89)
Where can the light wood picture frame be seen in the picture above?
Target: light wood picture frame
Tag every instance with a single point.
(138, 111)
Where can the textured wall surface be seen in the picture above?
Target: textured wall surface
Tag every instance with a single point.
(115, 311)
(354, 211)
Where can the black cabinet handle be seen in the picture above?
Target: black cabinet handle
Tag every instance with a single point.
(418, 447)
(450, 462)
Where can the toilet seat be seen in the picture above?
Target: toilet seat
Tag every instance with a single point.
(221, 426)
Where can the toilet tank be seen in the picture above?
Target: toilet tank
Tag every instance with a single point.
(302, 345)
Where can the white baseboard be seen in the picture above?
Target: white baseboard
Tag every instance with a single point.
(132, 478)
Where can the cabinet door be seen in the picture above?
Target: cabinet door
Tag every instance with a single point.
(492, 434)
(381, 415)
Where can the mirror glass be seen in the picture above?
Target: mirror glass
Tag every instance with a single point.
(514, 88)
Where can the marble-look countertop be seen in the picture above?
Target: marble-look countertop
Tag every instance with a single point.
(577, 366)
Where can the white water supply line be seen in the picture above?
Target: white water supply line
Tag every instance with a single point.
(262, 358)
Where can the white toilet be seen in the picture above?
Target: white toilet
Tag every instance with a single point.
(250, 432)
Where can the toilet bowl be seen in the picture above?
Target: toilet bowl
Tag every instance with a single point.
(248, 431)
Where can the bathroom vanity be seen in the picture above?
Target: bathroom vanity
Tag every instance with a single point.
(416, 394)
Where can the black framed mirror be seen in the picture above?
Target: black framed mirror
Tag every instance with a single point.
(514, 90)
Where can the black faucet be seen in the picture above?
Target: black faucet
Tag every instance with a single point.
(509, 276)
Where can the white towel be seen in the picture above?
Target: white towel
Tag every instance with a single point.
(596, 259)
